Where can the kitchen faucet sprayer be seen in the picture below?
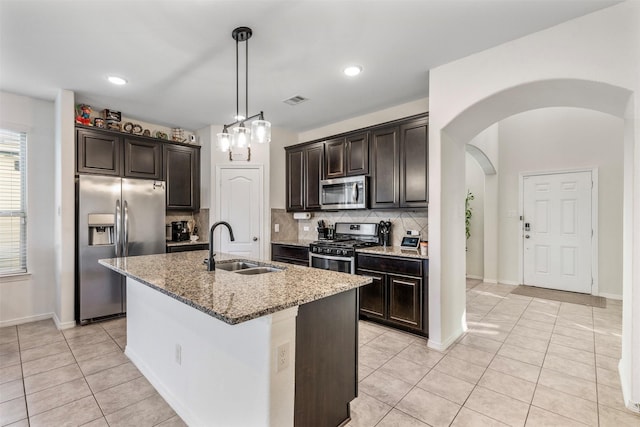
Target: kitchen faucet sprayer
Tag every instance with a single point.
(212, 264)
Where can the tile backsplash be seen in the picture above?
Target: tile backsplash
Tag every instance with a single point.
(201, 219)
(306, 229)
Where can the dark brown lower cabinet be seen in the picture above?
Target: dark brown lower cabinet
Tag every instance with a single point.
(291, 254)
(398, 296)
(326, 360)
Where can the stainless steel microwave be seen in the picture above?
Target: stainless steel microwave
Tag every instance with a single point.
(344, 193)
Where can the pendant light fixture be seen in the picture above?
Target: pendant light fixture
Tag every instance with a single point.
(241, 136)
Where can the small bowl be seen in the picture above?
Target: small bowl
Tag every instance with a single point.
(194, 238)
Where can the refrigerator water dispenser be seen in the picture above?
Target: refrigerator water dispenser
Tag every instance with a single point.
(101, 229)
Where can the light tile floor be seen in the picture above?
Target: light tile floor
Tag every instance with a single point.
(75, 377)
(524, 361)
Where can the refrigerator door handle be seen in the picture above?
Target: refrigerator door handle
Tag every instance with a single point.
(125, 245)
(117, 229)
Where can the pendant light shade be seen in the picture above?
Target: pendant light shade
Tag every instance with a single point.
(224, 140)
(260, 131)
(241, 136)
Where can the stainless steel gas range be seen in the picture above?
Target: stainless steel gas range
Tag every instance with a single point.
(339, 254)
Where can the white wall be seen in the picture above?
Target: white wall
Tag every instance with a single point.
(280, 138)
(562, 139)
(475, 243)
(589, 62)
(388, 114)
(32, 296)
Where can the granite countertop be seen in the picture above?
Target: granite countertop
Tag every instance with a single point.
(231, 297)
(393, 251)
(300, 242)
(186, 243)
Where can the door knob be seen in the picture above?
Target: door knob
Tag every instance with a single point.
(255, 239)
(526, 236)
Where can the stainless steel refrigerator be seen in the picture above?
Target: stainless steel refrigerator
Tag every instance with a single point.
(115, 217)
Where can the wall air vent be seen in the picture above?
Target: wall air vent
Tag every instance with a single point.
(295, 100)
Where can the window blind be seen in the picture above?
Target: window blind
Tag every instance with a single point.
(13, 202)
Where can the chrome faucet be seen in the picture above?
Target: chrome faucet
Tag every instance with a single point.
(212, 263)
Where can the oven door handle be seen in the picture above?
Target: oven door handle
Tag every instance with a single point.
(337, 258)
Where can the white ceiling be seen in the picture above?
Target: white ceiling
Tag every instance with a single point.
(179, 56)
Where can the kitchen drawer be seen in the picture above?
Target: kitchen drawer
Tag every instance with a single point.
(291, 254)
(186, 248)
(389, 264)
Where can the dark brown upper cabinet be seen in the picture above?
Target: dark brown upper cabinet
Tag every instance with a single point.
(98, 152)
(142, 159)
(395, 155)
(414, 164)
(347, 156)
(182, 176)
(304, 167)
(385, 171)
(334, 158)
(357, 154)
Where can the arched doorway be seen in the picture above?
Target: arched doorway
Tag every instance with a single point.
(447, 193)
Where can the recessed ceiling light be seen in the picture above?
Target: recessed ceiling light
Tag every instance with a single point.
(117, 80)
(353, 70)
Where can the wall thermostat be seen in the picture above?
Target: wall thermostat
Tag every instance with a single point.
(410, 242)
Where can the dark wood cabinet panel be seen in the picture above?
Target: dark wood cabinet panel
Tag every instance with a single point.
(405, 300)
(98, 152)
(414, 164)
(314, 158)
(295, 180)
(181, 173)
(398, 296)
(326, 360)
(291, 254)
(142, 159)
(384, 168)
(357, 154)
(373, 296)
(334, 158)
(187, 248)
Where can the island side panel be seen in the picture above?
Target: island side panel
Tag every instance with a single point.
(210, 372)
(326, 360)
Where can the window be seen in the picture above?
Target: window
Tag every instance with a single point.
(13, 202)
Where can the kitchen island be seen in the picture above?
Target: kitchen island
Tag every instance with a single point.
(223, 348)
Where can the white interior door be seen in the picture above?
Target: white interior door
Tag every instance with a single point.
(558, 231)
(240, 203)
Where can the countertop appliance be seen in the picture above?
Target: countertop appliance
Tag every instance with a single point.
(344, 193)
(179, 231)
(115, 217)
(339, 254)
(385, 233)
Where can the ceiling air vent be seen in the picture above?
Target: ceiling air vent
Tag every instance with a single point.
(295, 100)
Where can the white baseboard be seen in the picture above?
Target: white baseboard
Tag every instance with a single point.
(63, 325)
(443, 346)
(470, 276)
(610, 296)
(493, 281)
(187, 416)
(508, 282)
(28, 319)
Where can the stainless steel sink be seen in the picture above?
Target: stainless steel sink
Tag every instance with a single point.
(246, 267)
(259, 270)
(234, 265)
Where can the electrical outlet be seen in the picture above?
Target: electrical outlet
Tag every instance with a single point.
(413, 233)
(282, 356)
(305, 228)
(178, 354)
(276, 228)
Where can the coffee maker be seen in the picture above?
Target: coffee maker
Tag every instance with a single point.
(179, 231)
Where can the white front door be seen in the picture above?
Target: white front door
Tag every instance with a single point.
(240, 203)
(558, 231)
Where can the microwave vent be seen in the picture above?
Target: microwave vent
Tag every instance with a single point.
(295, 100)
